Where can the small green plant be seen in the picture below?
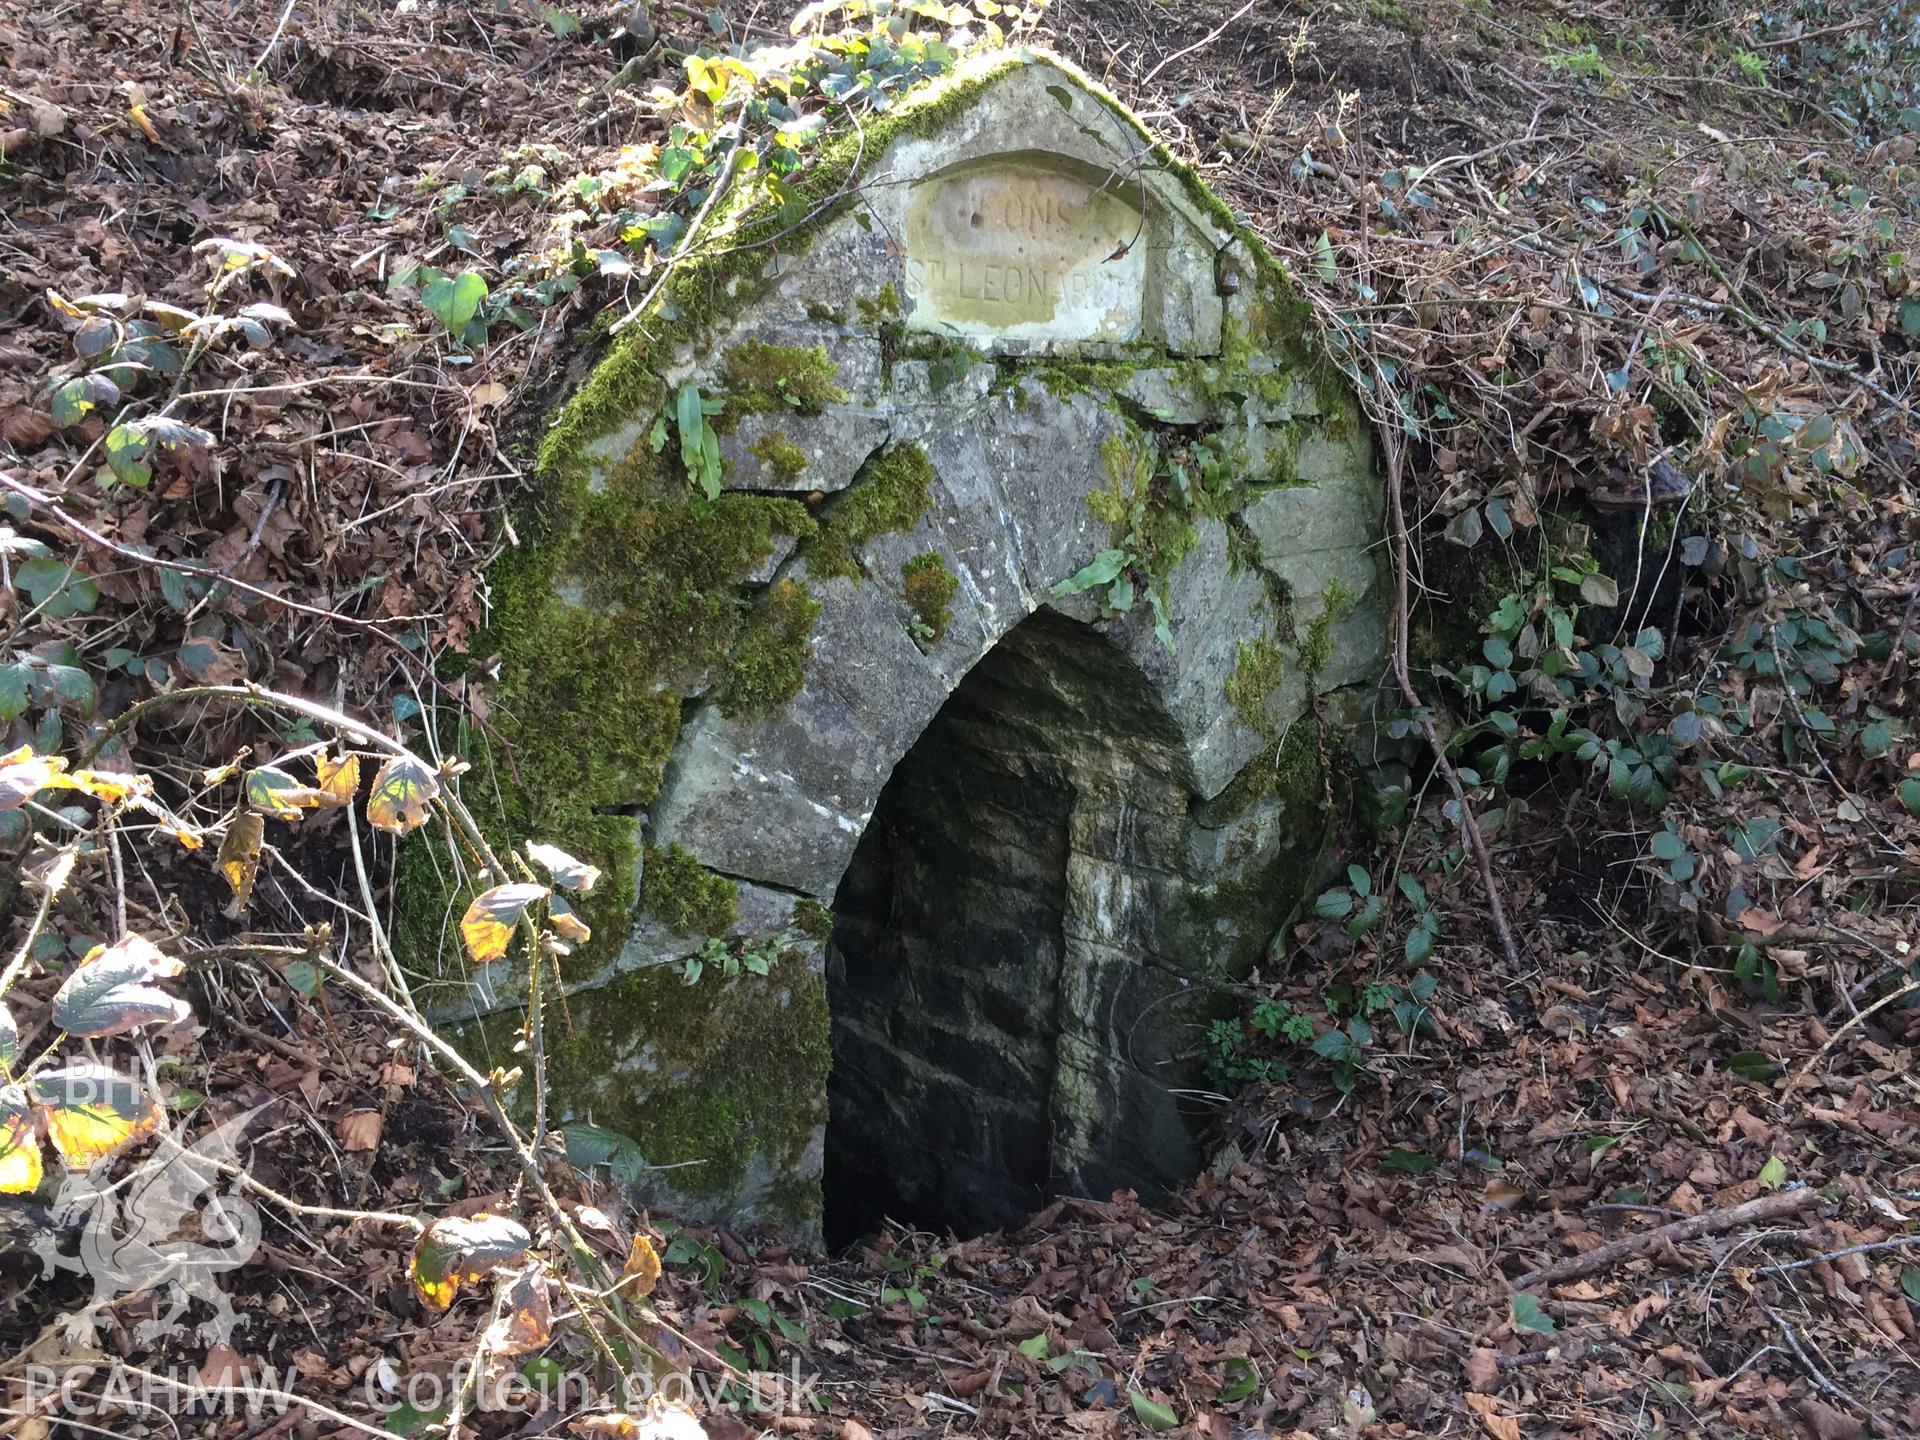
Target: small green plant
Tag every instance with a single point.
(730, 958)
(1584, 63)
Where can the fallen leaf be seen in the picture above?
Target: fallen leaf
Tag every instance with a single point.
(1500, 1427)
(1482, 1370)
(360, 1130)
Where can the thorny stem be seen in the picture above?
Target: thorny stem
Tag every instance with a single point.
(1402, 674)
(68, 521)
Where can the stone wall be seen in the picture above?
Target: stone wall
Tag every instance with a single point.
(1015, 336)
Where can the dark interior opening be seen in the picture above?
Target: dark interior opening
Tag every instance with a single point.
(952, 924)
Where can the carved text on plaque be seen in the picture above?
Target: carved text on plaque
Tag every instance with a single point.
(1023, 251)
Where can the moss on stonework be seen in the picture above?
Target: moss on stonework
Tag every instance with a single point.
(785, 461)
(766, 668)
(929, 589)
(1316, 646)
(762, 379)
(882, 307)
(648, 1027)
(892, 497)
(811, 918)
(677, 889)
(1262, 666)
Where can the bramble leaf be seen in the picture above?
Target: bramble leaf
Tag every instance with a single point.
(568, 873)
(92, 1110)
(20, 1166)
(339, 778)
(402, 791)
(488, 925)
(111, 991)
(274, 791)
(239, 857)
(525, 1322)
(459, 1248)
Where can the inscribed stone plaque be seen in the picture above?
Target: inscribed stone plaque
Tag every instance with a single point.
(1019, 251)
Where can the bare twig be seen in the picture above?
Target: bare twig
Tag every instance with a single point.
(1711, 1222)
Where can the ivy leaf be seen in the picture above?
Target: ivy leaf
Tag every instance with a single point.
(1413, 1162)
(111, 991)
(92, 1110)
(488, 925)
(457, 1249)
(568, 873)
(453, 300)
(402, 790)
(1151, 1413)
(9, 1035)
(1527, 1315)
(1910, 795)
(20, 1166)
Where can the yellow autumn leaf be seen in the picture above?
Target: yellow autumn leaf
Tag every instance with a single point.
(92, 1111)
(566, 924)
(239, 857)
(112, 788)
(339, 778)
(402, 791)
(488, 925)
(274, 791)
(24, 774)
(642, 1270)
(20, 1167)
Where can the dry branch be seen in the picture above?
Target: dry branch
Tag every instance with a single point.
(1713, 1222)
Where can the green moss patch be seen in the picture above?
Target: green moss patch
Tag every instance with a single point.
(768, 664)
(690, 898)
(892, 497)
(785, 461)
(702, 1077)
(1262, 666)
(767, 379)
(929, 588)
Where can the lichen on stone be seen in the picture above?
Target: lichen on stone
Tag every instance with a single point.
(929, 590)
(891, 497)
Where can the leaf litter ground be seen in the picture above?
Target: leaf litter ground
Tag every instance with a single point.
(1346, 1264)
